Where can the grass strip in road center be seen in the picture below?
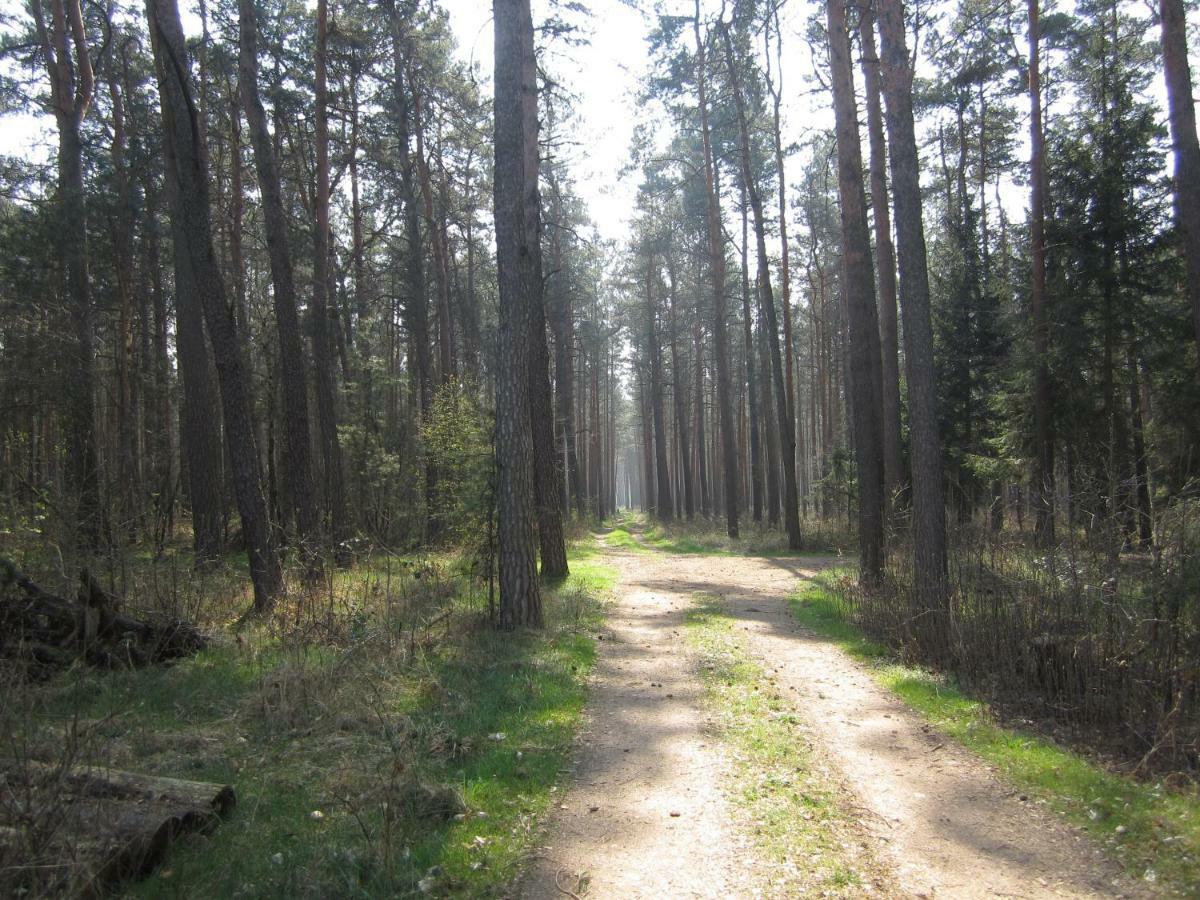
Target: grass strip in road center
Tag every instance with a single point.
(800, 823)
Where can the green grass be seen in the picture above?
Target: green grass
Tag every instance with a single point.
(320, 739)
(636, 533)
(1153, 830)
(806, 840)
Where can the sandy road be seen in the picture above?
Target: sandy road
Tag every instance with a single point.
(646, 814)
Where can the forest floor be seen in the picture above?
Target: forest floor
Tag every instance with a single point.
(729, 751)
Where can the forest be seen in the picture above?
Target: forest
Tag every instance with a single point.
(618, 448)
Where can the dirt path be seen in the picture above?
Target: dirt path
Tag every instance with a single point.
(646, 815)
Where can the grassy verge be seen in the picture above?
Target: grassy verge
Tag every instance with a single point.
(403, 749)
(1151, 829)
(807, 842)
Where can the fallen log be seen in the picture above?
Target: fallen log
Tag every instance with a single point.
(78, 831)
(48, 632)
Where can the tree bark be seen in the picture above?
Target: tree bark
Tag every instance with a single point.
(515, 114)
(716, 261)
(323, 350)
(858, 277)
(783, 412)
(679, 390)
(701, 438)
(885, 255)
(664, 507)
(1182, 109)
(441, 267)
(752, 401)
(415, 309)
(72, 84)
(187, 171)
(297, 447)
(1043, 435)
(929, 513)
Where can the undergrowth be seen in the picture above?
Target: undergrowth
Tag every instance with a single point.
(382, 738)
(806, 838)
(1152, 828)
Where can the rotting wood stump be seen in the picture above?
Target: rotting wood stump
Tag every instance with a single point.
(45, 633)
(77, 831)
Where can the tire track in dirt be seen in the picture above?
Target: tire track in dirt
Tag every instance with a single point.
(646, 814)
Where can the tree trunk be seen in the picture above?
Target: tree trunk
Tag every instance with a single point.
(71, 87)
(416, 310)
(664, 507)
(679, 390)
(929, 513)
(562, 319)
(297, 447)
(128, 464)
(323, 350)
(441, 267)
(515, 129)
(785, 268)
(1043, 435)
(716, 261)
(756, 457)
(701, 438)
(785, 423)
(1182, 109)
(885, 255)
(187, 171)
(857, 276)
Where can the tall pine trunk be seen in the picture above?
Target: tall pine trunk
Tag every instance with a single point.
(187, 171)
(784, 422)
(857, 276)
(885, 256)
(515, 128)
(297, 452)
(1043, 436)
(1182, 109)
(716, 261)
(322, 322)
(72, 83)
(929, 512)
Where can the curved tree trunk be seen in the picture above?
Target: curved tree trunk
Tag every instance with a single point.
(187, 170)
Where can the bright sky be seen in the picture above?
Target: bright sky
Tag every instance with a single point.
(605, 75)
